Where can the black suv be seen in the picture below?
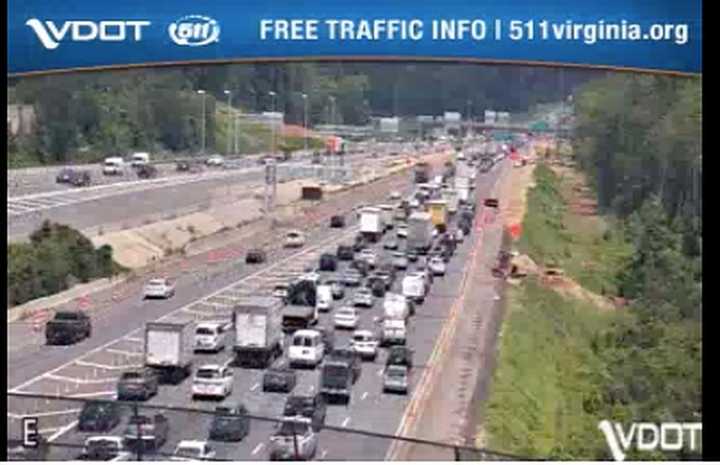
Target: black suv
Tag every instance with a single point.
(74, 177)
(349, 354)
(345, 252)
(153, 432)
(146, 171)
(230, 423)
(312, 407)
(255, 256)
(377, 285)
(337, 221)
(100, 417)
(140, 384)
(328, 262)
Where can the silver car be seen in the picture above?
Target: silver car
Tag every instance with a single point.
(400, 261)
(294, 439)
(363, 298)
(396, 379)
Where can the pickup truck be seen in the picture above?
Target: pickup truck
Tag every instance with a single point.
(68, 328)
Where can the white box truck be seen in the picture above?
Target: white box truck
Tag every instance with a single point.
(451, 197)
(420, 232)
(371, 223)
(396, 307)
(258, 331)
(169, 348)
(413, 287)
(387, 215)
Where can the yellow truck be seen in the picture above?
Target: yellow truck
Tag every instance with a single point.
(438, 210)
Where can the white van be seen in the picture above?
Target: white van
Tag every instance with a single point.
(113, 166)
(324, 298)
(306, 348)
(413, 287)
(396, 307)
(394, 332)
(209, 337)
(139, 159)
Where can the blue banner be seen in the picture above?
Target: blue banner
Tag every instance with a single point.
(657, 35)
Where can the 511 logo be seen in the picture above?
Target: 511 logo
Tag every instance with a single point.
(194, 31)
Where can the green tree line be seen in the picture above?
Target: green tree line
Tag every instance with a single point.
(639, 139)
(56, 258)
(87, 116)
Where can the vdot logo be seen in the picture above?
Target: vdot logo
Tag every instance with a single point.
(194, 31)
(649, 436)
(51, 34)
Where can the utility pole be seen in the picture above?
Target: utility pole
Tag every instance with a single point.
(272, 108)
(305, 121)
(202, 92)
(230, 120)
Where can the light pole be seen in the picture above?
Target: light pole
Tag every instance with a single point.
(272, 95)
(305, 120)
(332, 110)
(230, 120)
(202, 92)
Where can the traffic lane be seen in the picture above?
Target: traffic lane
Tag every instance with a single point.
(130, 315)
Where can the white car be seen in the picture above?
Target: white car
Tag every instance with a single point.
(402, 231)
(459, 235)
(193, 450)
(294, 438)
(369, 256)
(400, 261)
(215, 160)
(346, 318)
(212, 381)
(294, 239)
(280, 291)
(210, 337)
(394, 195)
(161, 288)
(437, 266)
(363, 298)
(365, 343)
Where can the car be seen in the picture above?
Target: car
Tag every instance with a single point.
(294, 239)
(412, 256)
(73, 177)
(369, 256)
(151, 430)
(377, 285)
(307, 348)
(365, 343)
(64, 175)
(396, 379)
(294, 439)
(351, 278)
(328, 262)
(346, 318)
(336, 287)
(98, 416)
(210, 337)
(361, 266)
(337, 221)
(68, 327)
(255, 256)
(459, 235)
(400, 261)
(394, 195)
(363, 298)
(146, 171)
(401, 231)
(345, 252)
(188, 167)
(279, 378)
(212, 381)
(104, 448)
(230, 423)
(387, 274)
(193, 450)
(162, 288)
(390, 244)
(312, 407)
(137, 384)
(280, 290)
(215, 160)
(437, 266)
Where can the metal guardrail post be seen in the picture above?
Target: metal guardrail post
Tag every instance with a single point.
(140, 446)
(457, 454)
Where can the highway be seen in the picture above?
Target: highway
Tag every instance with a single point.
(91, 367)
(123, 204)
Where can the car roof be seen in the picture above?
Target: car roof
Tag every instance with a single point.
(363, 332)
(192, 443)
(103, 438)
(211, 367)
(209, 325)
(306, 332)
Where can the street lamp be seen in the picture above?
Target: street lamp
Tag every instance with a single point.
(273, 94)
(332, 110)
(230, 120)
(202, 92)
(305, 120)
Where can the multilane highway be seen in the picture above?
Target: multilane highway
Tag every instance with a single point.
(91, 367)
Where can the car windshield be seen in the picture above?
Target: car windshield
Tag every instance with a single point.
(132, 375)
(102, 443)
(293, 235)
(204, 332)
(157, 282)
(362, 337)
(396, 372)
(302, 341)
(288, 428)
(207, 373)
(188, 451)
(346, 312)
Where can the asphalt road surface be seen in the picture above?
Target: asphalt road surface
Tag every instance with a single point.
(91, 367)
